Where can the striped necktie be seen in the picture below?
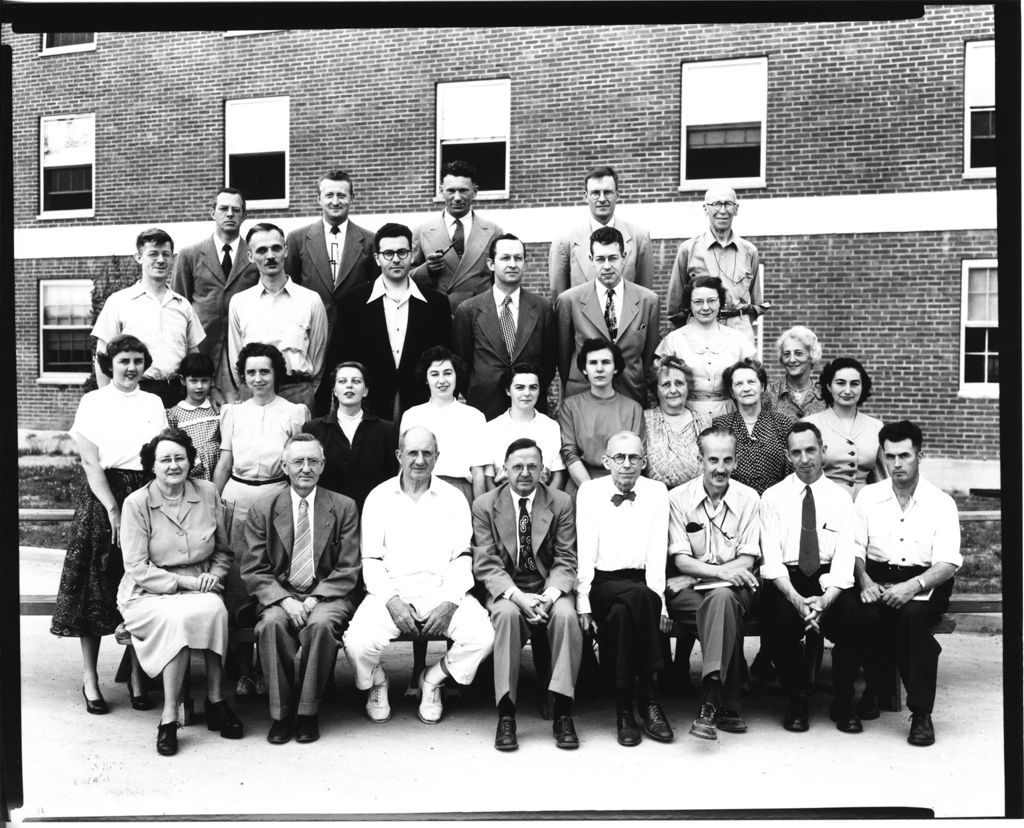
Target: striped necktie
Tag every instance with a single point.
(508, 327)
(301, 575)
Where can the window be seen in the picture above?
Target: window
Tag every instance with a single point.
(473, 121)
(980, 109)
(67, 155)
(979, 329)
(65, 319)
(256, 150)
(724, 112)
(58, 43)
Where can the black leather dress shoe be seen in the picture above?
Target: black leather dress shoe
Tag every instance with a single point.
(705, 726)
(167, 739)
(505, 736)
(845, 717)
(867, 707)
(628, 732)
(922, 732)
(221, 717)
(140, 701)
(731, 721)
(95, 706)
(307, 728)
(565, 733)
(797, 718)
(655, 724)
(280, 732)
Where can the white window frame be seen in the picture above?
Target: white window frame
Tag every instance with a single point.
(56, 377)
(65, 50)
(505, 84)
(975, 48)
(61, 214)
(259, 203)
(973, 390)
(761, 113)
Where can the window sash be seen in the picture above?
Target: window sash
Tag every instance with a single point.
(65, 325)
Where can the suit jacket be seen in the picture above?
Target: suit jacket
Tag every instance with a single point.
(308, 264)
(581, 316)
(496, 532)
(198, 277)
(270, 536)
(569, 258)
(477, 338)
(361, 334)
(461, 278)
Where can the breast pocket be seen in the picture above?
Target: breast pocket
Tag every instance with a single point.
(827, 541)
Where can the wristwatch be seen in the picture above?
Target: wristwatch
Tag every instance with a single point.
(921, 583)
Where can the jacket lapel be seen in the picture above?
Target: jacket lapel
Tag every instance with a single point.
(540, 520)
(475, 246)
(323, 521)
(316, 244)
(506, 523)
(212, 259)
(630, 303)
(526, 323)
(490, 324)
(284, 526)
(350, 255)
(241, 262)
(588, 304)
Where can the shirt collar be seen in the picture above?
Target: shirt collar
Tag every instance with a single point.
(449, 220)
(709, 239)
(285, 288)
(187, 405)
(499, 296)
(310, 498)
(379, 290)
(602, 293)
(218, 245)
(596, 225)
(156, 498)
(342, 228)
(516, 497)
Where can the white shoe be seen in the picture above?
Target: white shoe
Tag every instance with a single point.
(431, 709)
(377, 707)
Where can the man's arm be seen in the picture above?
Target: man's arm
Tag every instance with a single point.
(375, 572)
(562, 535)
(317, 340)
(558, 266)
(462, 338)
(255, 566)
(653, 337)
(676, 282)
(234, 333)
(488, 566)
(293, 257)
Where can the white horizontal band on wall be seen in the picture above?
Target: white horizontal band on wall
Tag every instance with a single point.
(759, 217)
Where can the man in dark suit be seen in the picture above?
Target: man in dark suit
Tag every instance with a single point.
(450, 252)
(386, 325)
(525, 556)
(333, 255)
(608, 307)
(208, 274)
(302, 565)
(503, 326)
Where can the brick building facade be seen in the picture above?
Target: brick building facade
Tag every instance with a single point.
(864, 149)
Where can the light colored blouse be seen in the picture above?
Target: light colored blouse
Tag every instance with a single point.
(708, 393)
(502, 431)
(673, 456)
(850, 457)
(781, 399)
(459, 429)
(118, 424)
(255, 435)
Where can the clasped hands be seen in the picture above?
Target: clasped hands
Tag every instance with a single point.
(535, 607)
(436, 622)
(892, 595)
(298, 611)
(811, 609)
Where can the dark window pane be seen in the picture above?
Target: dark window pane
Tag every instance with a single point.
(974, 340)
(993, 340)
(260, 175)
(67, 351)
(55, 40)
(488, 158)
(67, 188)
(723, 151)
(974, 369)
(993, 369)
(983, 138)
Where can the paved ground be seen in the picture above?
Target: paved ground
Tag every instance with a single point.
(76, 764)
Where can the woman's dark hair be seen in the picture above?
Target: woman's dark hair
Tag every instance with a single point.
(658, 367)
(712, 282)
(173, 435)
(598, 344)
(261, 349)
(441, 354)
(196, 365)
(333, 378)
(828, 373)
(120, 345)
(750, 364)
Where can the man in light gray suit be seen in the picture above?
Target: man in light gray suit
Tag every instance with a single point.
(449, 253)
(208, 274)
(569, 259)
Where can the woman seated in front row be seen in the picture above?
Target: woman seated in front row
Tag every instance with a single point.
(176, 557)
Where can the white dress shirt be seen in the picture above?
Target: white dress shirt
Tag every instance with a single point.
(727, 531)
(926, 533)
(218, 244)
(310, 500)
(602, 297)
(396, 311)
(633, 535)
(499, 300)
(781, 515)
(467, 224)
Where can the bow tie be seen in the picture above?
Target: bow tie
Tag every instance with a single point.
(618, 498)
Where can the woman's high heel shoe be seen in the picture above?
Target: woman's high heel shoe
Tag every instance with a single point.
(141, 701)
(97, 707)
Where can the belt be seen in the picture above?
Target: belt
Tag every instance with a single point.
(258, 482)
(894, 567)
(295, 379)
(730, 314)
(706, 395)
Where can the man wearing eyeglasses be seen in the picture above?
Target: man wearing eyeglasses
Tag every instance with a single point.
(621, 537)
(719, 252)
(569, 261)
(713, 540)
(209, 274)
(303, 567)
(386, 324)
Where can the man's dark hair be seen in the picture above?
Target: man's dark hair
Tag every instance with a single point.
(153, 235)
(899, 431)
(607, 235)
(460, 169)
(391, 230)
(263, 227)
(504, 237)
(523, 443)
(601, 172)
(800, 426)
(336, 175)
(713, 431)
(229, 191)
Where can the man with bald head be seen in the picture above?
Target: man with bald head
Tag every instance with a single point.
(622, 544)
(719, 252)
(417, 564)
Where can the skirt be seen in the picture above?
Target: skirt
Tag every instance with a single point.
(161, 625)
(87, 596)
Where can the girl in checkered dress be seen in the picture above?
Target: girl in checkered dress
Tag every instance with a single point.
(196, 416)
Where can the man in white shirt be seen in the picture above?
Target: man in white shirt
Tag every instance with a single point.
(908, 550)
(807, 530)
(622, 543)
(417, 565)
(713, 536)
(278, 312)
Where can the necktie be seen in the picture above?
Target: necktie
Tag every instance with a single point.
(508, 327)
(301, 575)
(609, 316)
(225, 263)
(459, 238)
(809, 553)
(334, 253)
(617, 498)
(526, 561)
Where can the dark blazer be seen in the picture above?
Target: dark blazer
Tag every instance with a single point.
(355, 468)
(496, 532)
(581, 316)
(198, 277)
(461, 278)
(361, 334)
(477, 338)
(308, 264)
(270, 536)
